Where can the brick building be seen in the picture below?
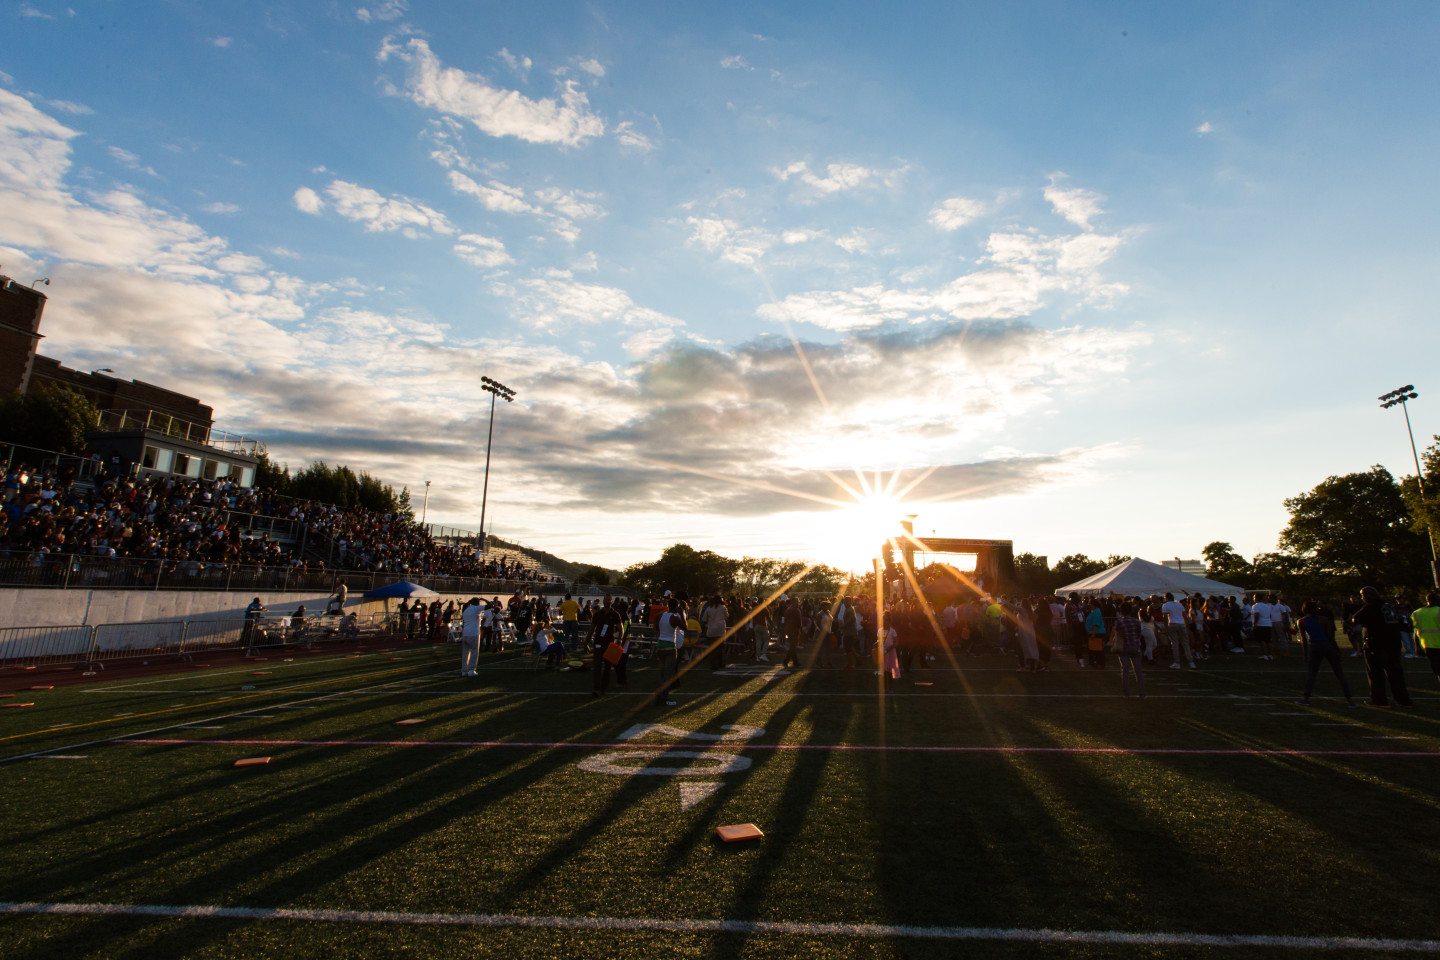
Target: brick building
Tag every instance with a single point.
(141, 425)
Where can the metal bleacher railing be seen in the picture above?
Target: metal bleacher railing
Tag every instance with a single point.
(76, 571)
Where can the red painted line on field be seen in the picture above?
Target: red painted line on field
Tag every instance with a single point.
(806, 747)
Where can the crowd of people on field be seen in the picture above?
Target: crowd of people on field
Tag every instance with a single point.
(853, 632)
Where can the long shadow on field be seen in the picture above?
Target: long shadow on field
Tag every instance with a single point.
(632, 791)
(969, 839)
(329, 825)
(790, 812)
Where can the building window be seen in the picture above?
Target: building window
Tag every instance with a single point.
(247, 476)
(187, 465)
(210, 466)
(163, 459)
(148, 461)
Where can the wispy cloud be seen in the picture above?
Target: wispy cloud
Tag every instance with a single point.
(1205, 127)
(493, 110)
(380, 213)
(221, 207)
(70, 107)
(221, 42)
(1075, 204)
(130, 161)
(382, 11)
(954, 213)
(736, 62)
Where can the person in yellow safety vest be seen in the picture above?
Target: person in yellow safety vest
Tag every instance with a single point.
(1426, 622)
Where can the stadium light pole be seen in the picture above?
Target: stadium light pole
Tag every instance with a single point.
(1400, 398)
(496, 389)
(425, 504)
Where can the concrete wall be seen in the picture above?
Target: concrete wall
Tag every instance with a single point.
(32, 607)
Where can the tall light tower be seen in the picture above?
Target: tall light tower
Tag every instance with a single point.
(425, 506)
(496, 389)
(1400, 398)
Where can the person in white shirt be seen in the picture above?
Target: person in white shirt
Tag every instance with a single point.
(1175, 630)
(470, 637)
(1260, 619)
(1280, 621)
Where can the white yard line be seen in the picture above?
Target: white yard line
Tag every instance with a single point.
(869, 931)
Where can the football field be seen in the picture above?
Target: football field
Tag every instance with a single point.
(982, 812)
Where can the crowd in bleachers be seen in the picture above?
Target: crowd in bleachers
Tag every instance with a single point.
(48, 513)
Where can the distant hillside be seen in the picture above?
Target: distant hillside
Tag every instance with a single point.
(560, 567)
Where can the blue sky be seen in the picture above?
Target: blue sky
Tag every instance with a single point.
(1119, 278)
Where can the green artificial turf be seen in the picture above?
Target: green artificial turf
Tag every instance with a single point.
(1285, 845)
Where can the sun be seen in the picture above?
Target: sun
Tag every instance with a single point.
(855, 533)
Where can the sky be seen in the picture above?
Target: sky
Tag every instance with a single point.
(1106, 278)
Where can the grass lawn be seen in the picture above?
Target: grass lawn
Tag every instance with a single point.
(1214, 807)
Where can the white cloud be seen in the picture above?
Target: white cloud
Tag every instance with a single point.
(481, 251)
(493, 110)
(838, 176)
(520, 65)
(557, 300)
(631, 138)
(384, 10)
(735, 62)
(381, 213)
(853, 242)
(29, 12)
(131, 161)
(954, 213)
(1075, 204)
(69, 106)
(221, 207)
(1014, 279)
(593, 67)
(307, 201)
(586, 263)
(792, 237)
(222, 42)
(575, 204)
(1205, 127)
(497, 196)
(745, 246)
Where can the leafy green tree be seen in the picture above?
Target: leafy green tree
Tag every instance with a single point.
(48, 417)
(1077, 566)
(1224, 564)
(1115, 559)
(1355, 528)
(268, 474)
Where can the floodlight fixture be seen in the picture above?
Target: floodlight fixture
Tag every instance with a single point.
(496, 389)
(1400, 398)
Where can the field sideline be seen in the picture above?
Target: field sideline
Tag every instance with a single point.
(994, 812)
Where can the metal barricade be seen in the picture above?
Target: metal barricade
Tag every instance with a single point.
(38, 646)
(213, 636)
(134, 641)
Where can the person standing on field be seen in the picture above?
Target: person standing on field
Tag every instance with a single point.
(1426, 621)
(606, 626)
(1176, 631)
(470, 637)
(1317, 639)
(1129, 645)
(1381, 648)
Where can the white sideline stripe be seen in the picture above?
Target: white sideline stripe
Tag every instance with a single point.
(873, 931)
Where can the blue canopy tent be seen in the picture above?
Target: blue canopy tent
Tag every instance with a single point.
(401, 590)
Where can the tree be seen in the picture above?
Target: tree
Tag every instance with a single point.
(48, 417)
(1224, 564)
(268, 475)
(1033, 574)
(1076, 566)
(593, 574)
(1355, 529)
(683, 569)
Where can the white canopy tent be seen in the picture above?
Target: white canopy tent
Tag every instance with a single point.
(1141, 578)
